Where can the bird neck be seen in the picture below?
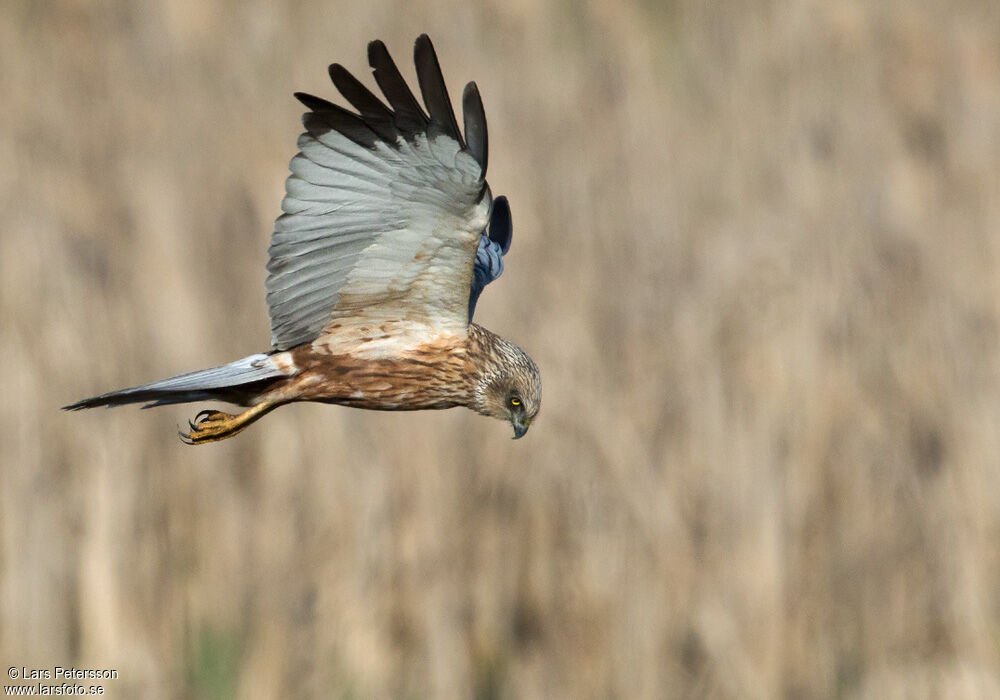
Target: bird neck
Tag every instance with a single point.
(485, 360)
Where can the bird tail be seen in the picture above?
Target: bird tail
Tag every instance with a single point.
(232, 383)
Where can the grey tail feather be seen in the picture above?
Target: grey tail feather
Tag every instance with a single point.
(232, 383)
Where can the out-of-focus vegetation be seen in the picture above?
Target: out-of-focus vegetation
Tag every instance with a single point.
(756, 257)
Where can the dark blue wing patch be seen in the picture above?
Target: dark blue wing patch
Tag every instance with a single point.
(494, 242)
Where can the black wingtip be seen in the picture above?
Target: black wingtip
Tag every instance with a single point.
(376, 52)
(338, 119)
(357, 94)
(433, 88)
(409, 117)
(334, 69)
(324, 116)
(474, 117)
(377, 116)
(316, 104)
(92, 402)
(501, 224)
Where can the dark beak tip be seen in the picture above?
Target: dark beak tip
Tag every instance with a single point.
(519, 431)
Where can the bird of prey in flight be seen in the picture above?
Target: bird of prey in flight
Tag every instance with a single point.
(388, 235)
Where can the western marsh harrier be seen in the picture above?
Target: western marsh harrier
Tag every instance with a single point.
(388, 236)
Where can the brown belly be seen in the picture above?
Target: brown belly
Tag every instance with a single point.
(407, 384)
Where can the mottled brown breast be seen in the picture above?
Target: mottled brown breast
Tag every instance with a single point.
(439, 374)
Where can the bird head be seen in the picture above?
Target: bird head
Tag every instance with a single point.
(511, 389)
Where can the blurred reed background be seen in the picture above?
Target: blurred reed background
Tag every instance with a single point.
(756, 258)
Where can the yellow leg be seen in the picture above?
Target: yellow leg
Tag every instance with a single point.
(212, 426)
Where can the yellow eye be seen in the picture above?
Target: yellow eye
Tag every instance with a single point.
(515, 402)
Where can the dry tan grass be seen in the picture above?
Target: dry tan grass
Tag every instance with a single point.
(756, 259)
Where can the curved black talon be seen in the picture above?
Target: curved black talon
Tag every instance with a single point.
(207, 412)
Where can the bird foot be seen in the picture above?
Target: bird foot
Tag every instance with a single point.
(211, 426)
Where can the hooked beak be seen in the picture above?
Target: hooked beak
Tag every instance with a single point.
(520, 426)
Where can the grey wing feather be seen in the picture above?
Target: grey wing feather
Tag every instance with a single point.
(242, 371)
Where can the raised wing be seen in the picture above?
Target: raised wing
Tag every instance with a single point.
(494, 242)
(383, 209)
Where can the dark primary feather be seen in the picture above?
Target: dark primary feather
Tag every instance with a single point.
(360, 97)
(372, 109)
(409, 117)
(326, 116)
(475, 124)
(375, 120)
(433, 89)
(316, 104)
(501, 226)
